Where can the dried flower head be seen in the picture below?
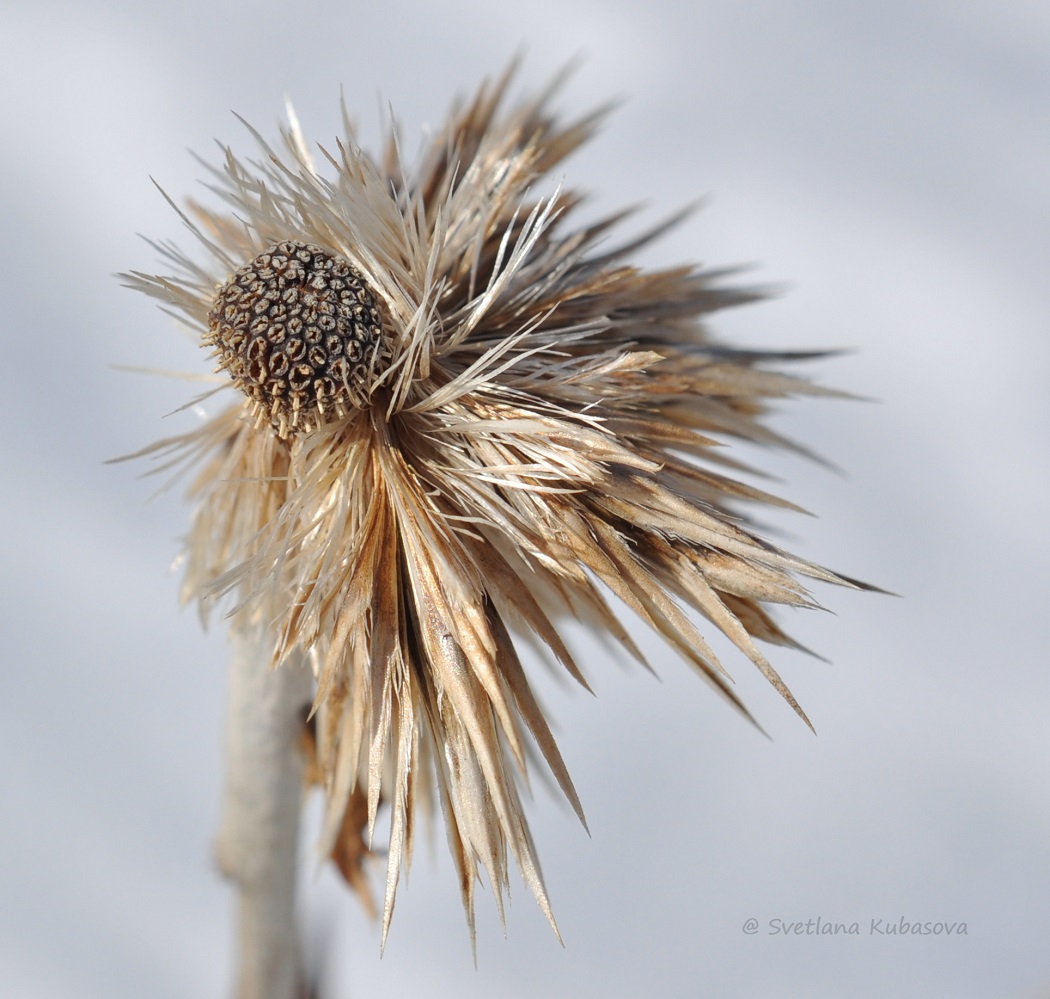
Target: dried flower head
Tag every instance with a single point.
(460, 415)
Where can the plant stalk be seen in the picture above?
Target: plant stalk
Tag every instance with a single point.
(257, 845)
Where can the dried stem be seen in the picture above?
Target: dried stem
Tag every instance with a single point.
(258, 838)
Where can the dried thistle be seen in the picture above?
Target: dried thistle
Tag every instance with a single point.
(461, 414)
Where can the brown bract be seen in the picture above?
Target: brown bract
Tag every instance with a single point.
(539, 426)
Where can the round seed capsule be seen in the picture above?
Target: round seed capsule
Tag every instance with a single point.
(283, 326)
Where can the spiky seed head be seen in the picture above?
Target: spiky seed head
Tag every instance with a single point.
(298, 329)
(508, 422)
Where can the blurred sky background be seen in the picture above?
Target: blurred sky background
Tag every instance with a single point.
(889, 164)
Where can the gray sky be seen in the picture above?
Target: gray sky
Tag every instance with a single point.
(887, 163)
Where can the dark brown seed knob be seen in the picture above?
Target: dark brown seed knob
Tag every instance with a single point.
(299, 330)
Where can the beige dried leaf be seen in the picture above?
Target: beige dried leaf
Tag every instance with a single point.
(350, 851)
